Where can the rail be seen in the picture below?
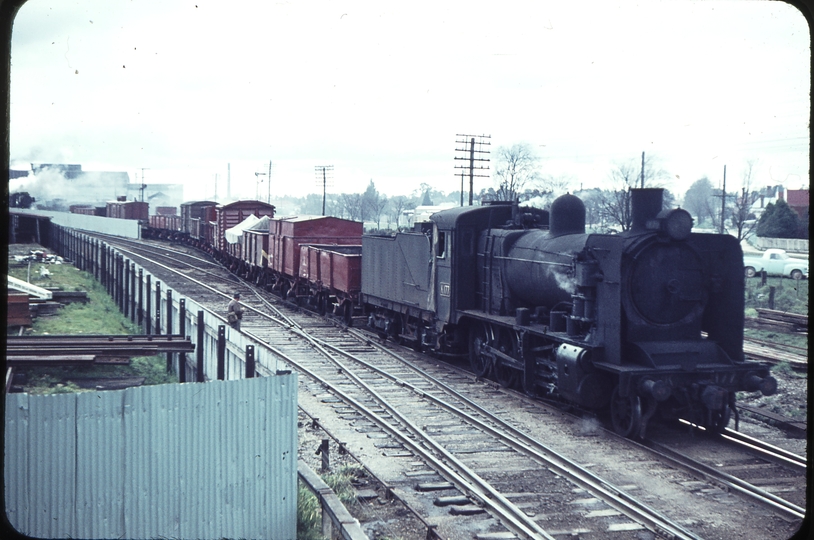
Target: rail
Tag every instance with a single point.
(334, 513)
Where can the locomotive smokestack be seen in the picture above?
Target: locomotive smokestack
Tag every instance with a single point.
(645, 204)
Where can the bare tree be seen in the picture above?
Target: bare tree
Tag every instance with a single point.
(377, 209)
(398, 204)
(515, 167)
(742, 218)
(352, 205)
(615, 204)
(627, 175)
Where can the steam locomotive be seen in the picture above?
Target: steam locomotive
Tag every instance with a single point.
(644, 322)
(647, 321)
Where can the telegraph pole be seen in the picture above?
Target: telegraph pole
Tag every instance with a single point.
(472, 145)
(143, 185)
(323, 173)
(723, 202)
(642, 186)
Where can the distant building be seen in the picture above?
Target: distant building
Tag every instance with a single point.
(164, 195)
(797, 199)
(769, 194)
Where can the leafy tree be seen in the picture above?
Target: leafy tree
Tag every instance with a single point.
(370, 201)
(698, 199)
(802, 231)
(515, 167)
(778, 221)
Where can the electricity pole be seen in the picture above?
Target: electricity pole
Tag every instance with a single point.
(642, 186)
(472, 145)
(723, 202)
(323, 174)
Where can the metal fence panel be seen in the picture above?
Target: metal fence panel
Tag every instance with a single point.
(99, 465)
(194, 460)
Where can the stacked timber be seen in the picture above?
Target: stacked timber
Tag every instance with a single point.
(783, 321)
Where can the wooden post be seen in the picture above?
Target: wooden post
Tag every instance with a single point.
(133, 292)
(140, 311)
(221, 352)
(126, 288)
(182, 331)
(763, 277)
(148, 327)
(103, 265)
(325, 452)
(169, 327)
(199, 349)
(157, 308)
(249, 361)
(771, 297)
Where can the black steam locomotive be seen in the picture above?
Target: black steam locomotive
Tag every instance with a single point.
(644, 321)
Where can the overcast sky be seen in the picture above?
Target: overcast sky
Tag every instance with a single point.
(380, 90)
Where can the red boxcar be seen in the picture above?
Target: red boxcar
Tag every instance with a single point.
(286, 235)
(229, 215)
(337, 268)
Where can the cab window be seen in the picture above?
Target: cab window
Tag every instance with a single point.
(441, 245)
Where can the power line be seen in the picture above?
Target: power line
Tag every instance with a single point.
(472, 145)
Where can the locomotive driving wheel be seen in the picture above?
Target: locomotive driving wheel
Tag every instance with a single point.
(506, 376)
(480, 334)
(626, 414)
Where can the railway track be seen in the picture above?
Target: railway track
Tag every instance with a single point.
(434, 443)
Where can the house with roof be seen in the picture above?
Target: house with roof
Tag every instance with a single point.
(797, 199)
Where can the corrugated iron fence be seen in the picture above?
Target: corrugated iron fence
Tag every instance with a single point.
(214, 460)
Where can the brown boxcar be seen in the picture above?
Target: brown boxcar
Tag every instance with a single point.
(128, 210)
(337, 268)
(286, 235)
(166, 211)
(229, 215)
(193, 213)
(256, 245)
(167, 222)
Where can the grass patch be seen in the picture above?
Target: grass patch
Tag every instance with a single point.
(98, 316)
(309, 513)
(342, 483)
(785, 338)
(790, 295)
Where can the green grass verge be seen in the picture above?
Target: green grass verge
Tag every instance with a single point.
(790, 295)
(99, 315)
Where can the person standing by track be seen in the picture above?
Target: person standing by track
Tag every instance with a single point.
(234, 312)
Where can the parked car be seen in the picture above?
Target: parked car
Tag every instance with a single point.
(776, 262)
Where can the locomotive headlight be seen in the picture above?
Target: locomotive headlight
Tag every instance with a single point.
(677, 224)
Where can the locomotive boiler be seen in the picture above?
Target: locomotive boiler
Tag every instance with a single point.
(647, 321)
